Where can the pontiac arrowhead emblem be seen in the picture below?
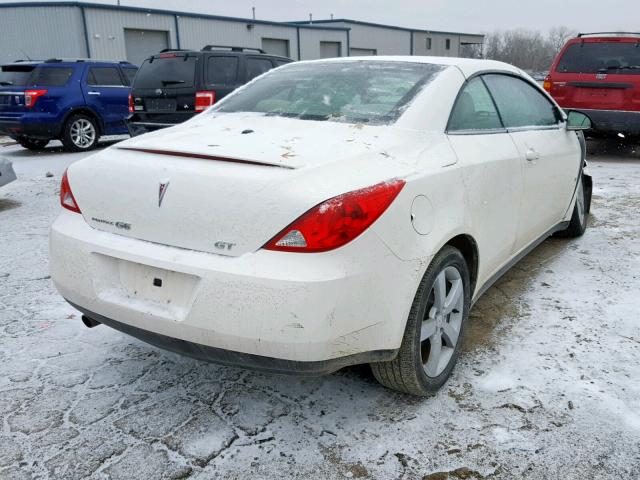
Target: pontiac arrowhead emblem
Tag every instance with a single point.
(164, 184)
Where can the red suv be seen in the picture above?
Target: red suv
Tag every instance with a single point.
(598, 74)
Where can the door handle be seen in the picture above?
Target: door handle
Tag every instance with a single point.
(532, 155)
(93, 93)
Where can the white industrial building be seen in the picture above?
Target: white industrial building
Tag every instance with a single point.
(39, 30)
(367, 38)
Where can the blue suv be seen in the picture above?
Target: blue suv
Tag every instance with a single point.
(75, 101)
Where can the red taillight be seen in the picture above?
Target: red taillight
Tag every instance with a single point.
(336, 221)
(131, 104)
(205, 99)
(66, 195)
(31, 97)
(547, 84)
(167, 55)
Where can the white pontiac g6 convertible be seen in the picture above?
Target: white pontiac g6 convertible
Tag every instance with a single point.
(328, 213)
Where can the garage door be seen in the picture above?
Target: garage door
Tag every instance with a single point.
(330, 49)
(276, 46)
(142, 43)
(362, 52)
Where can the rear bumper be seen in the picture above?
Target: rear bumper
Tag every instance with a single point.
(613, 121)
(267, 310)
(141, 123)
(140, 128)
(37, 126)
(239, 359)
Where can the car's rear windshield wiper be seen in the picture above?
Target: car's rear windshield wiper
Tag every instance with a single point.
(6, 84)
(172, 82)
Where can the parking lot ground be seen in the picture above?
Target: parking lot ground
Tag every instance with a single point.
(548, 386)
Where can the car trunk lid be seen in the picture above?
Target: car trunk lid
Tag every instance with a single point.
(222, 185)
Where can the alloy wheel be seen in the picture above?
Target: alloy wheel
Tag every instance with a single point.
(442, 322)
(83, 133)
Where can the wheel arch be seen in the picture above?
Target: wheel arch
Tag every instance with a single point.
(588, 189)
(467, 245)
(86, 111)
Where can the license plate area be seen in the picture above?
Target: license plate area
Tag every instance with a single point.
(600, 96)
(159, 105)
(160, 292)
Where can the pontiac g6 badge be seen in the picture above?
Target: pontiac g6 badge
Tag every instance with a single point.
(164, 184)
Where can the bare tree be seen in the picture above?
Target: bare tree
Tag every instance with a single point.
(558, 36)
(527, 49)
(471, 50)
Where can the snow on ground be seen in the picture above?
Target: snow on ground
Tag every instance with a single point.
(548, 386)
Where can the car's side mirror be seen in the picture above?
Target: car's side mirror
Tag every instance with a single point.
(577, 121)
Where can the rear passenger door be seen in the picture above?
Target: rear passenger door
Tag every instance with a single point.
(106, 93)
(222, 74)
(491, 173)
(549, 154)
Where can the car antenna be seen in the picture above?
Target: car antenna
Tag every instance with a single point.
(25, 54)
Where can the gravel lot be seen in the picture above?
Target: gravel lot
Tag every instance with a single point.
(548, 386)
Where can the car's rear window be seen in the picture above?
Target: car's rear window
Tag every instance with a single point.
(222, 70)
(601, 57)
(170, 71)
(29, 75)
(51, 76)
(372, 92)
(105, 77)
(15, 75)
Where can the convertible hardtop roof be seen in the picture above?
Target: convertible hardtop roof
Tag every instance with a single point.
(468, 66)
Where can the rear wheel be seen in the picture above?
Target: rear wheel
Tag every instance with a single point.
(434, 330)
(578, 223)
(80, 133)
(32, 143)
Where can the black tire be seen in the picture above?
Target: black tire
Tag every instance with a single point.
(80, 133)
(33, 143)
(407, 372)
(580, 215)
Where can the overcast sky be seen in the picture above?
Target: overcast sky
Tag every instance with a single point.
(459, 15)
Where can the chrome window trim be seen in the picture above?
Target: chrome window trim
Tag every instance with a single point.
(530, 128)
(489, 131)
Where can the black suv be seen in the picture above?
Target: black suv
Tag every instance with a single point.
(174, 85)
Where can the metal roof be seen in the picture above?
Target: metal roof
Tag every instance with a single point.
(380, 25)
(166, 12)
(295, 24)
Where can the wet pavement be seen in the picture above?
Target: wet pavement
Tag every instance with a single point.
(548, 385)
